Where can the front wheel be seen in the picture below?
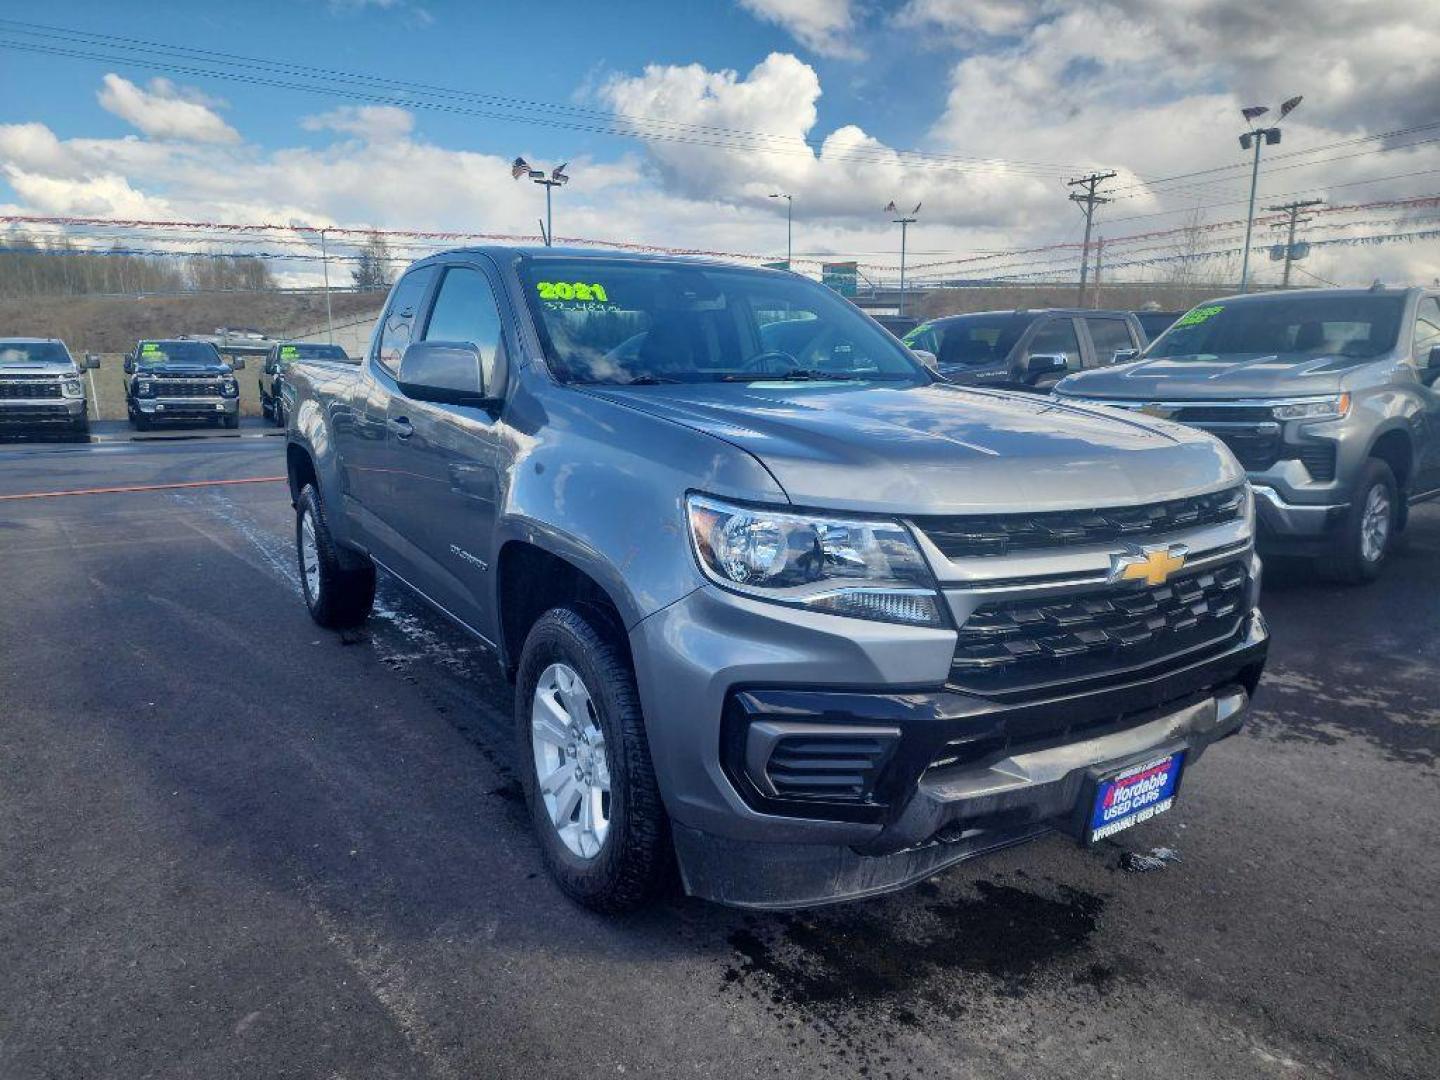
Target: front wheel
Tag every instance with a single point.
(593, 799)
(339, 588)
(231, 420)
(1367, 533)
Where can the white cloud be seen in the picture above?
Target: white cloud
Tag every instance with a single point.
(165, 111)
(372, 123)
(966, 18)
(824, 26)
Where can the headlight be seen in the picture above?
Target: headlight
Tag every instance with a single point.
(229, 388)
(72, 388)
(863, 569)
(145, 388)
(1322, 408)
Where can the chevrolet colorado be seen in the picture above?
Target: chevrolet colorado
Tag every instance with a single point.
(41, 388)
(1328, 397)
(779, 605)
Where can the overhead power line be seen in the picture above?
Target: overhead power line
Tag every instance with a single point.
(261, 71)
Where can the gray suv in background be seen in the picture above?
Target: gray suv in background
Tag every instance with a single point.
(779, 605)
(41, 388)
(1328, 397)
(1025, 350)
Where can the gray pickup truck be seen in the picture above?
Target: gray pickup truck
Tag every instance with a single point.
(41, 388)
(806, 620)
(1328, 397)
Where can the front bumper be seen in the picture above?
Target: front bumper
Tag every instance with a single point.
(41, 412)
(1285, 527)
(187, 408)
(711, 667)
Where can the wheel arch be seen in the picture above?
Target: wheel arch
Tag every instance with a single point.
(1396, 447)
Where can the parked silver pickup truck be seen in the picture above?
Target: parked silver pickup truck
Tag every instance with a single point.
(1330, 398)
(41, 388)
(807, 620)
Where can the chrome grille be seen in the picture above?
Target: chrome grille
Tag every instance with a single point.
(1025, 645)
(185, 388)
(13, 388)
(964, 537)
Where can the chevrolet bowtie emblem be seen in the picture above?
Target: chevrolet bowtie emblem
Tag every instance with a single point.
(1152, 565)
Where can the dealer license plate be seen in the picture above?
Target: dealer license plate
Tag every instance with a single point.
(1135, 795)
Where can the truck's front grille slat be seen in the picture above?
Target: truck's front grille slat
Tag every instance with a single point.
(1020, 645)
(960, 537)
(22, 389)
(173, 388)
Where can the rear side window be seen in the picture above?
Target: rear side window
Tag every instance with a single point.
(465, 310)
(1058, 336)
(399, 325)
(1427, 328)
(1108, 336)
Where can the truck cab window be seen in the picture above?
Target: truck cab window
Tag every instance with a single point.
(465, 310)
(399, 324)
(1057, 336)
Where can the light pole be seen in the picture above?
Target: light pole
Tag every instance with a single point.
(1253, 139)
(325, 268)
(904, 221)
(789, 210)
(557, 178)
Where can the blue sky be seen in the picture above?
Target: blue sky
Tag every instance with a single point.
(557, 51)
(1007, 98)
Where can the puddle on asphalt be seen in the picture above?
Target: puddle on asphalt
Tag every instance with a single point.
(855, 978)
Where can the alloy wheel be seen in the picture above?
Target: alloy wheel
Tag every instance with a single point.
(570, 760)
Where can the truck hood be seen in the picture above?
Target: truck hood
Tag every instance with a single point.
(941, 449)
(1215, 377)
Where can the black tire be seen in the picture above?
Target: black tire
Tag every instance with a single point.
(139, 421)
(80, 428)
(277, 412)
(1356, 559)
(345, 581)
(231, 420)
(635, 860)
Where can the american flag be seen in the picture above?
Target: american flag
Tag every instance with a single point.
(1253, 111)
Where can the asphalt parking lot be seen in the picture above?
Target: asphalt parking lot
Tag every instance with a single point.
(234, 845)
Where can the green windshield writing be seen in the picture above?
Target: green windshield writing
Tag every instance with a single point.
(571, 290)
(1199, 315)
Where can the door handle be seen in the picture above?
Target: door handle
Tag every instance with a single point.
(402, 427)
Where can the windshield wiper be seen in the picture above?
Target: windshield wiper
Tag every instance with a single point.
(648, 380)
(793, 375)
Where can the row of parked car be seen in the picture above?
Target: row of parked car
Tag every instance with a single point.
(168, 381)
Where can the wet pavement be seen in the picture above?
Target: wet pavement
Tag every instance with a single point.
(232, 844)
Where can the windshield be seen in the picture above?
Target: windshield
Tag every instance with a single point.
(1292, 327)
(33, 352)
(307, 351)
(969, 340)
(618, 321)
(155, 353)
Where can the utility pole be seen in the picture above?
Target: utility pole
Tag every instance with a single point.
(1099, 259)
(325, 263)
(1293, 209)
(1087, 201)
(904, 221)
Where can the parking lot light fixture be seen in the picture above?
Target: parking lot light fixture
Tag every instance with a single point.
(789, 208)
(1252, 140)
(557, 178)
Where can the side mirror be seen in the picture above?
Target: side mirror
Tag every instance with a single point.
(928, 358)
(1038, 365)
(237, 363)
(1124, 356)
(1431, 370)
(129, 365)
(92, 362)
(446, 372)
(272, 367)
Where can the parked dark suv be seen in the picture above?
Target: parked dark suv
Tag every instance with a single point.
(1025, 350)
